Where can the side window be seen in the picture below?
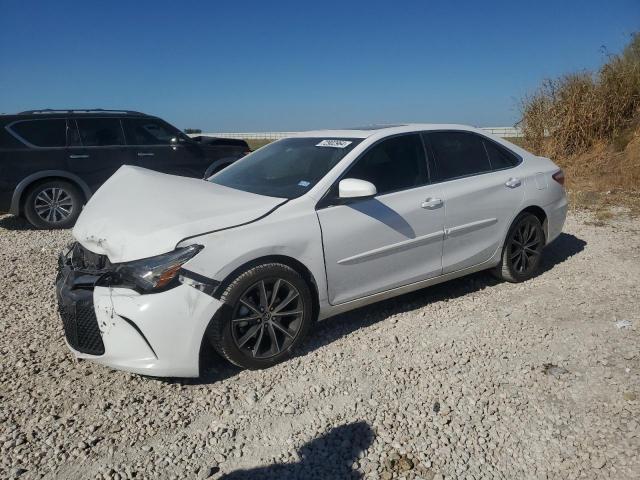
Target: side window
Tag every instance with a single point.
(394, 164)
(499, 156)
(142, 131)
(42, 133)
(458, 154)
(100, 132)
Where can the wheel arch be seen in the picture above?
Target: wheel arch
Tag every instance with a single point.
(295, 264)
(291, 262)
(541, 215)
(532, 209)
(17, 199)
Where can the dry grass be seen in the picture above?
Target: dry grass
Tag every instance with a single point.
(568, 115)
(589, 123)
(256, 143)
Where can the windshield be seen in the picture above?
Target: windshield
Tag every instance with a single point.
(287, 168)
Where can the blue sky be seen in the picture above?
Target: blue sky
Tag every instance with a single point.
(254, 66)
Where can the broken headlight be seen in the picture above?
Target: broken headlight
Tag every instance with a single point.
(154, 273)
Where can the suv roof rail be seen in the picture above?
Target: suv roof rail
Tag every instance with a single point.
(88, 110)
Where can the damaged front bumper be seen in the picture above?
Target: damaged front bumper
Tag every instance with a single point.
(157, 334)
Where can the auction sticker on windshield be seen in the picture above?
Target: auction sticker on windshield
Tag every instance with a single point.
(334, 143)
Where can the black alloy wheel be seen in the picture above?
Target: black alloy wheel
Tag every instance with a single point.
(267, 318)
(267, 312)
(522, 253)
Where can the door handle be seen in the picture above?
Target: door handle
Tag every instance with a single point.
(78, 156)
(431, 203)
(513, 182)
(145, 154)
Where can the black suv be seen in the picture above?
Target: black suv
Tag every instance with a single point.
(51, 161)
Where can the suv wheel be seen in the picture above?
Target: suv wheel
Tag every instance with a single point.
(267, 312)
(53, 204)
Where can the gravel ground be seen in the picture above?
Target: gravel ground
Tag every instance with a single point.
(470, 379)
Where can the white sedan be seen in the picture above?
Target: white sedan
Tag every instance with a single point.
(300, 230)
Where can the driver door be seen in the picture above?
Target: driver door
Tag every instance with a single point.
(394, 239)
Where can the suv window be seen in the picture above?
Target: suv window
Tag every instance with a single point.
(100, 132)
(143, 131)
(393, 164)
(458, 154)
(499, 157)
(42, 133)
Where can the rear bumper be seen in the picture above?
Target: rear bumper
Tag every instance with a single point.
(556, 216)
(154, 334)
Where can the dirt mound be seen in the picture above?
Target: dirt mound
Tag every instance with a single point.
(606, 166)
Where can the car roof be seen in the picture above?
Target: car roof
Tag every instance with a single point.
(61, 113)
(385, 130)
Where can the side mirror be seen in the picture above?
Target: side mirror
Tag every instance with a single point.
(356, 188)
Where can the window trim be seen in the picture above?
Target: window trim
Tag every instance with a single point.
(433, 156)
(28, 144)
(325, 202)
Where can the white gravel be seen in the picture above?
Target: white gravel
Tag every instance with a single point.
(471, 379)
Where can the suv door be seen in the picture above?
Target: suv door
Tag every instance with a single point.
(480, 201)
(393, 239)
(96, 148)
(159, 146)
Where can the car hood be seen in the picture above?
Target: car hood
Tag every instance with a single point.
(140, 213)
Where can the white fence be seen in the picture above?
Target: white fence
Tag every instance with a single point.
(504, 132)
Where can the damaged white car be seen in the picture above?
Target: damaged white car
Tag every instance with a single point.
(302, 229)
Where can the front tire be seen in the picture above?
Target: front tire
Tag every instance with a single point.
(53, 204)
(267, 312)
(522, 251)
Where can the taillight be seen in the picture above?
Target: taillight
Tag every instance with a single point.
(559, 177)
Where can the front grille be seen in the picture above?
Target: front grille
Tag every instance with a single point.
(81, 327)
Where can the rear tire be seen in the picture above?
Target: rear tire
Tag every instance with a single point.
(267, 312)
(53, 204)
(522, 251)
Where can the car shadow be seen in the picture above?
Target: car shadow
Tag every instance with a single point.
(560, 250)
(216, 368)
(331, 329)
(11, 222)
(329, 457)
(377, 210)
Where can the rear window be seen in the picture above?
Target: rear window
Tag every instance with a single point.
(41, 133)
(499, 157)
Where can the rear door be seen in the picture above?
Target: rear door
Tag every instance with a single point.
(159, 146)
(96, 148)
(393, 239)
(480, 199)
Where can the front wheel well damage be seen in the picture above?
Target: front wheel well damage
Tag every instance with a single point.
(283, 259)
